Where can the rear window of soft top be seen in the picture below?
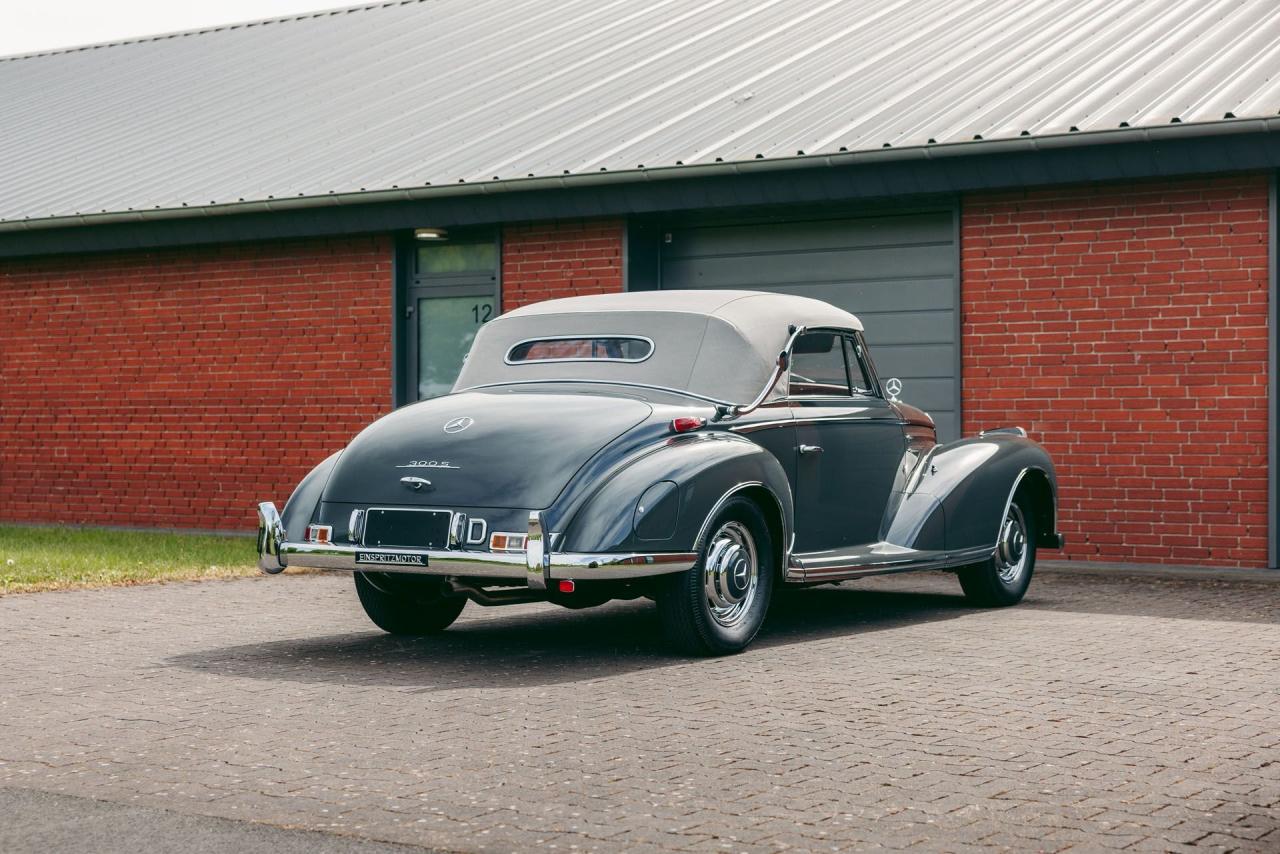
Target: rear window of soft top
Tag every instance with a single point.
(582, 348)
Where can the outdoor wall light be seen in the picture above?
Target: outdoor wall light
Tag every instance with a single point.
(431, 233)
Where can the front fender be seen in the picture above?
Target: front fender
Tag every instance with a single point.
(974, 480)
(681, 481)
(301, 506)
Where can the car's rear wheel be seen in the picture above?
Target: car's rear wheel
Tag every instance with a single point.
(718, 606)
(405, 604)
(1003, 579)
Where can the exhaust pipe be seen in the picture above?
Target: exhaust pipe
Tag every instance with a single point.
(510, 596)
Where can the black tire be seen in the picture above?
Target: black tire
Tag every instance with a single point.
(690, 620)
(1003, 579)
(407, 604)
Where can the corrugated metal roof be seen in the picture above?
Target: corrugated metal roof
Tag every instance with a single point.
(448, 92)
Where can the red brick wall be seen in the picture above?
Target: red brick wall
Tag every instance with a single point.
(543, 261)
(177, 388)
(1126, 328)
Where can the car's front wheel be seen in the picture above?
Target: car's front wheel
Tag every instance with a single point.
(1003, 578)
(405, 604)
(717, 607)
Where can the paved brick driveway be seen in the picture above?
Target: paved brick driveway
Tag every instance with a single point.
(1103, 713)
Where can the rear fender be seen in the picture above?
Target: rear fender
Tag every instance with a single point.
(974, 480)
(662, 500)
(301, 507)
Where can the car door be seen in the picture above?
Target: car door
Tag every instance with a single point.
(849, 444)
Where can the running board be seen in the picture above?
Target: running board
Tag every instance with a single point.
(875, 559)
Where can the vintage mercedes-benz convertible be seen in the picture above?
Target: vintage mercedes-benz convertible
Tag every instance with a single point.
(697, 447)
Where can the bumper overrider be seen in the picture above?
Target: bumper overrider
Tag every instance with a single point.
(537, 564)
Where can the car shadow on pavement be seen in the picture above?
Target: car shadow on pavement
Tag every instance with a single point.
(547, 645)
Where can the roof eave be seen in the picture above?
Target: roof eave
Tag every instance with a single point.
(1021, 144)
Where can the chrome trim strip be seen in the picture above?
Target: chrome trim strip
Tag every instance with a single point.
(852, 397)
(1017, 481)
(577, 381)
(800, 421)
(457, 530)
(355, 525)
(616, 567)
(788, 538)
(715, 508)
(759, 425)
(841, 567)
(275, 553)
(805, 421)
(584, 337)
(1053, 494)
(1004, 431)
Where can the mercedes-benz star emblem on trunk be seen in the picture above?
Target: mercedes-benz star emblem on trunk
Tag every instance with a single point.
(457, 425)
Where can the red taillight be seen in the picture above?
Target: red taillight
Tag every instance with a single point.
(500, 542)
(566, 586)
(319, 533)
(687, 423)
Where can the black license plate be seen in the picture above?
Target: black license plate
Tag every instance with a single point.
(391, 558)
(414, 529)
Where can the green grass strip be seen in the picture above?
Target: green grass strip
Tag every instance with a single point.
(33, 559)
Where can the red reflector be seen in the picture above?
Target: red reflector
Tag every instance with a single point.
(566, 586)
(686, 423)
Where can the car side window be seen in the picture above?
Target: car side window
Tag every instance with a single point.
(818, 366)
(862, 382)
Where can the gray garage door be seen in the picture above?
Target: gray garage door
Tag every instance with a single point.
(898, 273)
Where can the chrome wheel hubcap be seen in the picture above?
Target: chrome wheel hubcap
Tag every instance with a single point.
(731, 574)
(1011, 551)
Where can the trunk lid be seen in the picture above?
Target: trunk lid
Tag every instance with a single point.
(502, 448)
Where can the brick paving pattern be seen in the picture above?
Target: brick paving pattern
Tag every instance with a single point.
(1103, 713)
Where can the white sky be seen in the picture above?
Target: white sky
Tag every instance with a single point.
(27, 26)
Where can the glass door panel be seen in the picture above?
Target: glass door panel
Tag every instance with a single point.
(446, 326)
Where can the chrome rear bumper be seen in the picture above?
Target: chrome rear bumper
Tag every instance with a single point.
(535, 564)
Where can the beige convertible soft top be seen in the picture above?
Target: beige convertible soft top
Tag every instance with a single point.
(716, 343)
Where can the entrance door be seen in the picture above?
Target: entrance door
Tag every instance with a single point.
(454, 291)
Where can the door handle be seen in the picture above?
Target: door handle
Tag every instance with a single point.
(810, 449)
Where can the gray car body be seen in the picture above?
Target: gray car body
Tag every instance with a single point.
(600, 465)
